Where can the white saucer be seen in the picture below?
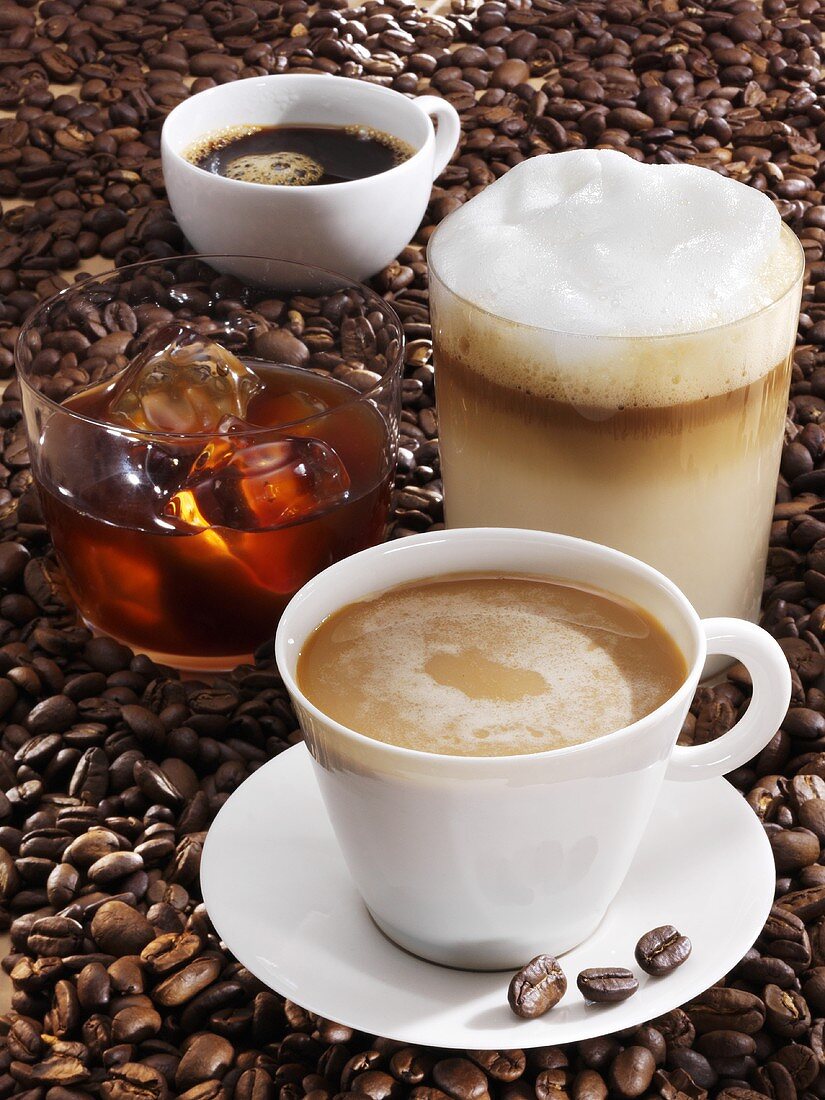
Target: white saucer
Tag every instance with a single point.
(278, 892)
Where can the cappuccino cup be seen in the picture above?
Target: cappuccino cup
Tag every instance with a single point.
(355, 227)
(482, 862)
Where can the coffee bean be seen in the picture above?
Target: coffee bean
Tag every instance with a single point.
(118, 929)
(187, 983)
(106, 655)
(281, 346)
(133, 1081)
(55, 935)
(537, 987)
(695, 1065)
(725, 1044)
(54, 714)
(786, 1012)
(207, 1056)
(93, 986)
(606, 985)
(510, 73)
(460, 1079)
(501, 1065)
(632, 1071)
(806, 904)
(13, 560)
(724, 1007)
(794, 849)
(112, 866)
(800, 1062)
(551, 1084)
(589, 1085)
(170, 951)
(254, 1084)
(662, 950)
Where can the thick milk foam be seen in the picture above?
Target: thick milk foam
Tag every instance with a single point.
(492, 666)
(591, 246)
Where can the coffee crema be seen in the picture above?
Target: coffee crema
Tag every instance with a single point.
(493, 665)
(298, 156)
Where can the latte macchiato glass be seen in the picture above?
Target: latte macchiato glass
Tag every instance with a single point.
(615, 391)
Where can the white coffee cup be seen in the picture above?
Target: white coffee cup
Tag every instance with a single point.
(484, 862)
(356, 227)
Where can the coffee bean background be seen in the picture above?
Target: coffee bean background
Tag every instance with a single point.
(112, 768)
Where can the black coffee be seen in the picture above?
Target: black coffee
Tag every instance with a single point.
(299, 156)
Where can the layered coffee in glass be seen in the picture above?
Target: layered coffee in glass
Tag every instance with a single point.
(613, 349)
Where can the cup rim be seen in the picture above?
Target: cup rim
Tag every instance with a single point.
(32, 322)
(618, 338)
(329, 576)
(279, 188)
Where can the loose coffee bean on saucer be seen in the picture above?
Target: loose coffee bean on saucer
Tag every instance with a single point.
(661, 950)
(537, 987)
(607, 984)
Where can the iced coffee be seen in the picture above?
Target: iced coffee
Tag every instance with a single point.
(613, 352)
(242, 440)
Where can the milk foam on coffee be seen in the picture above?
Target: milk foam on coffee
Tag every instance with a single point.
(491, 665)
(592, 245)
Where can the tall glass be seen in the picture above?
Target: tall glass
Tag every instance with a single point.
(665, 447)
(186, 509)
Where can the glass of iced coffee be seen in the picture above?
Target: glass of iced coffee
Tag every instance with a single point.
(613, 349)
(204, 446)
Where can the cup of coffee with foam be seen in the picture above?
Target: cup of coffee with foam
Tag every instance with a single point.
(491, 714)
(312, 168)
(613, 345)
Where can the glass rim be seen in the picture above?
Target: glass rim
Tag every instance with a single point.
(798, 275)
(144, 434)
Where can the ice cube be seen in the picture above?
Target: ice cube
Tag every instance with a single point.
(183, 384)
(246, 485)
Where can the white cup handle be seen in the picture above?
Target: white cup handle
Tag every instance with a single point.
(771, 677)
(448, 132)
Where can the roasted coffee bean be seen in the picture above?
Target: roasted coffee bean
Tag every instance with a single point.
(724, 1007)
(794, 849)
(632, 1071)
(662, 950)
(133, 1081)
(206, 1057)
(552, 1084)
(187, 983)
(606, 985)
(786, 1011)
(589, 1085)
(725, 1044)
(501, 1065)
(170, 951)
(652, 1038)
(800, 1062)
(93, 986)
(537, 987)
(460, 1079)
(118, 929)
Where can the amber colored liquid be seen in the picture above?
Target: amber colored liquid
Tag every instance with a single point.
(493, 665)
(208, 597)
